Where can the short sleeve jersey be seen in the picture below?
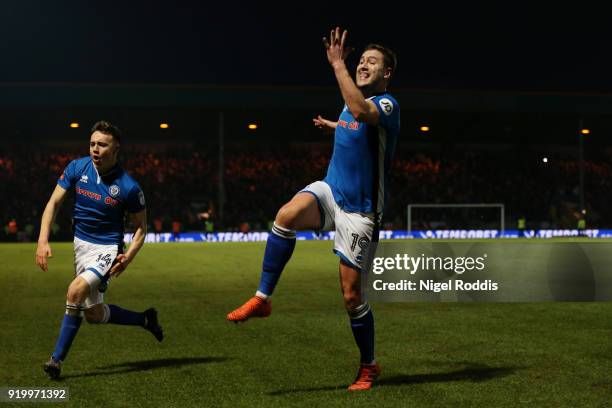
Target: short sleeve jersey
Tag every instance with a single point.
(101, 201)
(359, 168)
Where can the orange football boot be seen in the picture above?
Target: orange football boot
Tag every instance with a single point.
(254, 307)
(367, 374)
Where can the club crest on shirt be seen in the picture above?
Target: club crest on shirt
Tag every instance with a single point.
(386, 105)
(114, 190)
(141, 198)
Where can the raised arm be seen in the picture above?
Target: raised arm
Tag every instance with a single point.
(362, 110)
(43, 250)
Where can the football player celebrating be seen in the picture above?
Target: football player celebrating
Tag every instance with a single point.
(351, 198)
(104, 192)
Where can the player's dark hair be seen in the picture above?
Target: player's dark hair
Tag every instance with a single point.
(389, 57)
(108, 129)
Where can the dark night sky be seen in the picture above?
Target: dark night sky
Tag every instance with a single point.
(504, 47)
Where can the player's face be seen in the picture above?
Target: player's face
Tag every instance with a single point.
(371, 70)
(103, 150)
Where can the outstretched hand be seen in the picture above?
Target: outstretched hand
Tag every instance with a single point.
(335, 46)
(325, 125)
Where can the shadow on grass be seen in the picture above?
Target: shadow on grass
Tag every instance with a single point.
(145, 365)
(473, 372)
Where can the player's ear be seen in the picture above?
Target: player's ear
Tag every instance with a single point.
(388, 72)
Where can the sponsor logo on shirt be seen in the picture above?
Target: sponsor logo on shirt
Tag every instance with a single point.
(88, 193)
(349, 125)
(95, 196)
(111, 201)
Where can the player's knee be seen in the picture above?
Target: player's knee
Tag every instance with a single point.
(352, 299)
(74, 296)
(77, 291)
(286, 216)
(351, 294)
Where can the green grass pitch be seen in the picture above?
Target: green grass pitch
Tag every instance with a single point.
(432, 354)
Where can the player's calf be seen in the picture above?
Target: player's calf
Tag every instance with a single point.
(362, 326)
(68, 331)
(113, 314)
(97, 314)
(302, 212)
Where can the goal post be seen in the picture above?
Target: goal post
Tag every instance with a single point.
(501, 207)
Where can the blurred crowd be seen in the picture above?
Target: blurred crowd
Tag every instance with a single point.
(183, 188)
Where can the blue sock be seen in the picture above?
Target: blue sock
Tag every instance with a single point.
(279, 248)
(362, 324)
(118, 315)
(68, 331)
